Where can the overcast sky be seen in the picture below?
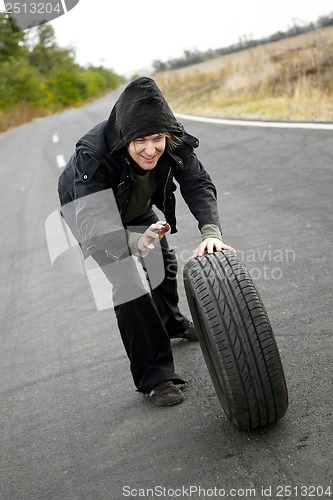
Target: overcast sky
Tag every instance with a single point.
(127, 35)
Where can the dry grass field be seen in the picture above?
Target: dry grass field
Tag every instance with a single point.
(291, 79)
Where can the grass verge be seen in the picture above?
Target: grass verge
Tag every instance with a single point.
(287, 80)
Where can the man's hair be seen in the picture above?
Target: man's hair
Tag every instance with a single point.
(172, 140)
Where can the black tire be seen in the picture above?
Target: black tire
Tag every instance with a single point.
(237, 340)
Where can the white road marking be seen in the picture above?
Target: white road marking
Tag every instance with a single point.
(61, 162)
(250, 123)
(55, 137)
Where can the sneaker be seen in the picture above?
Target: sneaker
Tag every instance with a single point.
(188, 334)
(166, 394)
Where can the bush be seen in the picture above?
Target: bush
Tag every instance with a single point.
(90, 84)
(63, 90)
(18, 81)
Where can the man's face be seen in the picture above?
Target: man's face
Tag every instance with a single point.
(146, 151)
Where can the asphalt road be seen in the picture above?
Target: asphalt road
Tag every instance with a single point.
(72, 424)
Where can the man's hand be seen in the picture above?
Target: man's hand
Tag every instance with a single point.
(165, 229)
(210, 245)
(154, 231)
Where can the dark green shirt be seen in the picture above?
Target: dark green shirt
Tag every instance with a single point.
(142, 194)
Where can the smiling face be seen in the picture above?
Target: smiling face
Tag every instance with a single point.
(146, 151)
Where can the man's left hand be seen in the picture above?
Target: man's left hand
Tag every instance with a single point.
(210, 245)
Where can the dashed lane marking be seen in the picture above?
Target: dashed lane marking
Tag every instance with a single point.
(61, 162)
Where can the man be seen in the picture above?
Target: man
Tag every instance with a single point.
(120, 169)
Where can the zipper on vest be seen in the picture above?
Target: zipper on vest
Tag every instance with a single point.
(165, 187)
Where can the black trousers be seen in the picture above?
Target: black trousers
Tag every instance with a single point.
(147, 316)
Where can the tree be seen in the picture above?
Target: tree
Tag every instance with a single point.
(11, 44)
(36, 71)
(47, 56)
(324, 21)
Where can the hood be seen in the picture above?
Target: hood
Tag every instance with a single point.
(140, 111)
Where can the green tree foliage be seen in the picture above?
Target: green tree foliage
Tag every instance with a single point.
(36, 70)
(11, 44)
(18, 81)
(47, 56)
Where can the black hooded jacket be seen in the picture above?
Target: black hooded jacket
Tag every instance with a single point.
(96, 185)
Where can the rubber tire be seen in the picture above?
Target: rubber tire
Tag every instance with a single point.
(236, 339)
